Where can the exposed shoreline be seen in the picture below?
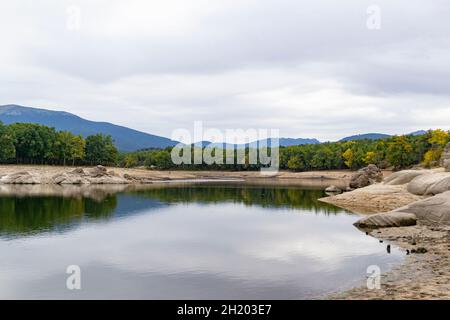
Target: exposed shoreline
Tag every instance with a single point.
(35, 174)
(424, 275)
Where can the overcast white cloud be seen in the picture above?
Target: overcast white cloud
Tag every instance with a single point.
(311, 69)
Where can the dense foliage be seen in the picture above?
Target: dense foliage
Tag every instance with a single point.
(397, 152)
(27, 143)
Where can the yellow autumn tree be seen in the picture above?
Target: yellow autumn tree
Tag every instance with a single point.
(370, 157)
(438, 139)
(349, 157)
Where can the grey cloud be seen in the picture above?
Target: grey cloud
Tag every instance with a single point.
(310, 68)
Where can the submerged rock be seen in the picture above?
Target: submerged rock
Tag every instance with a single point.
(366, 176)
(386, 220)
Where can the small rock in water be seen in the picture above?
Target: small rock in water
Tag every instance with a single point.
(333, 189)
(421, 250)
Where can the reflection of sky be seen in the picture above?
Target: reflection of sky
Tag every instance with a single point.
(236, 250)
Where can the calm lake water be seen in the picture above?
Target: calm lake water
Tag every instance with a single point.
(205, 241)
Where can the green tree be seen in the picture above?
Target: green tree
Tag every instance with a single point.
(78, 146)
(100, 149)
(7, 148)
(295, 163)
(64, 145)
(399, 152)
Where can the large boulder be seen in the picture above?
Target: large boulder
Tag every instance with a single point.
(433, 210)
(98, 171)
(69, 178)
(96, 175)
(386, 220)
(430, 184)
(445, 158)
(366, 176)
(403, 177)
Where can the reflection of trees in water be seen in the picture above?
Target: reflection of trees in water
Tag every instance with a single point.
(27, 215)
(23, 215)
(250, 195)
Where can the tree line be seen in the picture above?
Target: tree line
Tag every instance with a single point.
(397, 152)
(28, 143)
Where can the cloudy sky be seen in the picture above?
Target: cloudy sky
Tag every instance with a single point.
(318, 69)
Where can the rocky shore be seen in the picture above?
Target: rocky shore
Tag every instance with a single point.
(411, 210)
(48, 175)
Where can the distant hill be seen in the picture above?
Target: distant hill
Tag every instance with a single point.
(373, 136)
(283, 142)
(418, 133)
(126, 139)
(286, 142)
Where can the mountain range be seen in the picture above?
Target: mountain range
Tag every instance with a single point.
(127, 139)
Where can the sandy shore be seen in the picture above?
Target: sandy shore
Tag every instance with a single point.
(422, 275)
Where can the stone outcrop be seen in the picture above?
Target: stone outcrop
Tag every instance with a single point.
(430, 211)
(403, 177)
(96, 175)
(386, 220)
(433, 210)
(22, 177)
(98, 171)
(373, 199)
(430, 184)
(366, 176)
(445, 158)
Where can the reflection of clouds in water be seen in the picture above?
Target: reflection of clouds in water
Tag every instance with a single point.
(235, 241)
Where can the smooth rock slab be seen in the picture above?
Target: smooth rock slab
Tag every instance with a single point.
(434, 210)
(430, 184)
(403, 177)
(386, 220)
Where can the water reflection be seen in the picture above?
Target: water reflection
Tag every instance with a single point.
(181, 242)
(43, 212)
